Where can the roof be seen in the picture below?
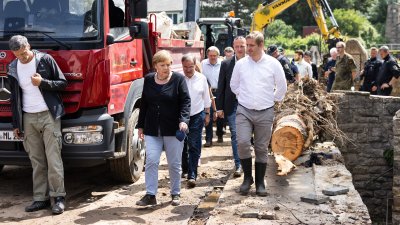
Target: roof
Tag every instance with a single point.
(165, 5)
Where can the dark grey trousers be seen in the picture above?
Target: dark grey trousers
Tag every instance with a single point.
(258, 122)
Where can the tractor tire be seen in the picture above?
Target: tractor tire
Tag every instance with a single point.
(130, 167)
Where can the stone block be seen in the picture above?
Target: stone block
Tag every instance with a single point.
(314, 199)
(381, 194)
(364, 194)
(267, 216)
(366, 119)
(335, 190)
(392, 107)
(250, 214)
(353, 128)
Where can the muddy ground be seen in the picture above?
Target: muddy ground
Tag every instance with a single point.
(94, 198)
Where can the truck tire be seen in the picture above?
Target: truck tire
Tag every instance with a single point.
(130, 167)
(1, 167)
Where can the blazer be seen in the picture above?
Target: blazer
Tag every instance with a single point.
(226, 99)
(162, 111)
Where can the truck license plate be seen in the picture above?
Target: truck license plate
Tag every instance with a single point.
(6, 135)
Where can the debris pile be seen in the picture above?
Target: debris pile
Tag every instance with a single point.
(308, 113)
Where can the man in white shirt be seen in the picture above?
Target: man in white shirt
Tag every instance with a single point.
(258, 81)
(35, 84)
(305, 69)
(210, 68)
(199, 115)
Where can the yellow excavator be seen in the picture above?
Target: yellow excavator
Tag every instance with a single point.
(266, 13)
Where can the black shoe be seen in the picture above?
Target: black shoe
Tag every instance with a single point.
(38, 205)
(260, 174)
(238, 172)
(191, 183)
(220, 139)
(208, 144)
(175, 200)
(147, 200)
(59, 205)
(248, 178)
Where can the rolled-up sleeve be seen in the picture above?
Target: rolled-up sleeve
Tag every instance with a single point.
(280, 83)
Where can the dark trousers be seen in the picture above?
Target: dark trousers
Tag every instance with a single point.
(385, 92)
(209, 127)
(192, 147)
(331, 79)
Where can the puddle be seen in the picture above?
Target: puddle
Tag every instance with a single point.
(202, 212)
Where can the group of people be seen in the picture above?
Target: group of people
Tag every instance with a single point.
(239, 90)
(175, 105)
(378, 75)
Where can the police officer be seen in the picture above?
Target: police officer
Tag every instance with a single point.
(388, 72)
(273, 51)
(370, 71)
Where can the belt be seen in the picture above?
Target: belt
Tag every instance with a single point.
(257, 110)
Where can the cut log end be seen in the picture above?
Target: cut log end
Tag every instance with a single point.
(288, 137)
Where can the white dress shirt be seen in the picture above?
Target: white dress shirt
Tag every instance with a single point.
(258, 85)
(305, 69)
(211, 72)
(199, 93)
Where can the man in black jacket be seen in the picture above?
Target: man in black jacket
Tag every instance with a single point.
(226, 100)
(388, 72)
(286, 65)
(35, 81)
(370, 71)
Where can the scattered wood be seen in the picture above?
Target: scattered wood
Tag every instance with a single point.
(308, 113)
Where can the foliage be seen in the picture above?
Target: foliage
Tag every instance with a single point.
(297, 43)
(279, 28)
(354, 24)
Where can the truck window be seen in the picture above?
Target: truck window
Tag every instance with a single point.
(65, 19)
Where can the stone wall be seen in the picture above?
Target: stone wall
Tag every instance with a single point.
(396, 169)
(393, 23)
(368, 121)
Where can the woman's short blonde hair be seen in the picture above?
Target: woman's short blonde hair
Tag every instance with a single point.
(162, 56)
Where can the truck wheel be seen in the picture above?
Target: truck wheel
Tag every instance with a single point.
(130, 167)
(1, 167)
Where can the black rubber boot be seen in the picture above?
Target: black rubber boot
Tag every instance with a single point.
(248, 179)
(260, 174)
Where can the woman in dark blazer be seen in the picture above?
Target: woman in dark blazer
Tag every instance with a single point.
(164, 112)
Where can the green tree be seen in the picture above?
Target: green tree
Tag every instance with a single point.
(353, 23)
(280, 28)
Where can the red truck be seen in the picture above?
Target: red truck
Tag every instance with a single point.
(104, 49)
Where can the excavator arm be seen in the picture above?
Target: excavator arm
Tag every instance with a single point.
(266, 13)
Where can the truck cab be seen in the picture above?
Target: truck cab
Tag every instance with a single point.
(98, 44)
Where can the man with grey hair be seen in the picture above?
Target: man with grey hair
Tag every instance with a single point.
(210, 68)
(258, 80)
(35, 81)
(329, 68)
(345, 69)
(388, 72)
(199, 116)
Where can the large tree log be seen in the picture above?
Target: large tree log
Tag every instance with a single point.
(289, 137)
(288, 142)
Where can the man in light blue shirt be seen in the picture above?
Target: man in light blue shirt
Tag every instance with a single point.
(210, 68)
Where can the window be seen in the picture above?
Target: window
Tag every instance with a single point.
(174, 17)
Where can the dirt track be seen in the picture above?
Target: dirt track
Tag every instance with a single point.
(94, 198)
